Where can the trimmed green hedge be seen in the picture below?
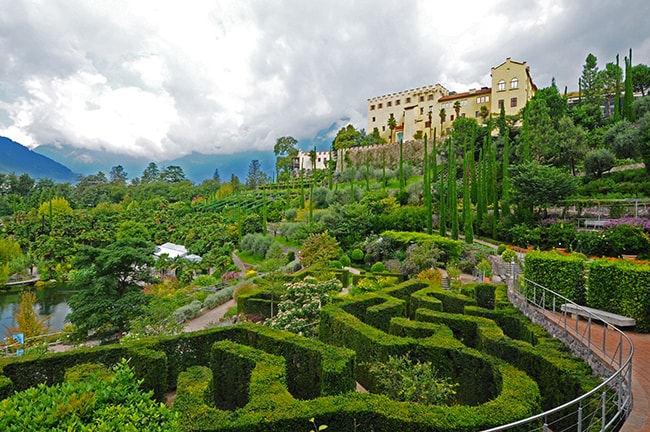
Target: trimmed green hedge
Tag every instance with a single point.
(256, 302)
(254, 378)
(621, 287)
(313, 368)
(563, 274)
(452, 248)
(272, 409)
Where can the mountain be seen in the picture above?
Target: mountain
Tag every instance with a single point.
(18, 159)
(196, 166)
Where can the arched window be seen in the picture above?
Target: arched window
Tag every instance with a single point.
(514, 83)
(502, 85)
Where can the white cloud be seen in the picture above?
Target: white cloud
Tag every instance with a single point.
(162, 79)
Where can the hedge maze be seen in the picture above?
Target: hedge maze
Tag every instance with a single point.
(253, 378)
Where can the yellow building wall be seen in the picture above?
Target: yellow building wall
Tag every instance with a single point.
(511, 84)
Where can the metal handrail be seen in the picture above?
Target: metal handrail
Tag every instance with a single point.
(17, 345)
(622, 374)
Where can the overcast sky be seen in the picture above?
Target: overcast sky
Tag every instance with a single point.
(163, 78)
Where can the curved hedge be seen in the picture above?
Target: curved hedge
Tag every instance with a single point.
(255, 378)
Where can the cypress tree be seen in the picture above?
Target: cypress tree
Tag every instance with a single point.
(495, 193)
(402, 181)
(628, 98)
(383, 169)
(505, 181)
(311, 204)
(617, 98)
(426, 185)
(434, 156)
(442, 219)
(468, 229)
(453, 198)
(367, 172)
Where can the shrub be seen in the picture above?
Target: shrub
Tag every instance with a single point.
(204, 280)
(114, 403)
(405, 380)
(485, 268)
(345, 261)
(299, 307)
(244, 289)
(220, 297)
(432, 275)
(626, 239)
(501, 248)
(290, 214)
(336, 264)
(378, 267)
(599, 161)
(188, 312)
(357, 255)
(509, 255)
(275, 250)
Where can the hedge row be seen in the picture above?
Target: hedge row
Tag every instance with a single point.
(563, 274)
(313, 368)
(255, 378)
(535, 353)
(618, 286)
(621, 287)
(452, 248)
(270, 407)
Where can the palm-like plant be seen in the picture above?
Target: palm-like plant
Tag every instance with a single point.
(457, 108)
(392, 124)
(484, 112)
(443, 115)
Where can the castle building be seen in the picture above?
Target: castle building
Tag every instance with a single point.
(418, 111)
(304, 160)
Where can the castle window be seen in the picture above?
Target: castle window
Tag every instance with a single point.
(383, 128)
(452, 117)
(430, 97)
(502, 85)
(374, 119)
(408, 100)
(476, 114)
(500, 103)
(514, 83)
(397, 102)
(513, 102)
(421, 98)
(389, 103)
(380, 106)
(372, 107)
(421, 111)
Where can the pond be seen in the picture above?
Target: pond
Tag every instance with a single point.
(52, 301)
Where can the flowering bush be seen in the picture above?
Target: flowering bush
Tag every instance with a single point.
(433, 275)
(299, 306)
(228, 276)
(639, 222)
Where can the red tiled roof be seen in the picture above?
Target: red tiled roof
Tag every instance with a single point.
(465, 94)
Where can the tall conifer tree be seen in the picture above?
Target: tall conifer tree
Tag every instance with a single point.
(628, 98)
(505, 180)
(617, 97)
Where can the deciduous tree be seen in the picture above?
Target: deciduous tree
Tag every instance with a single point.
(109, 282)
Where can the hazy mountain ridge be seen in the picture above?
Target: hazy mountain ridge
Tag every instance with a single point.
(196, 166)
(18, 159)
